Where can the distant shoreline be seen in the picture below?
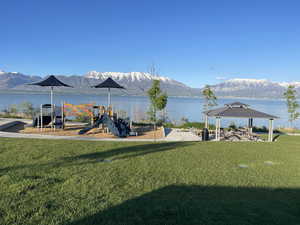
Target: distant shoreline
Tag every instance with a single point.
(59, 92)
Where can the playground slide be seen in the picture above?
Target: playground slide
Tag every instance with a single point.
(118, 128)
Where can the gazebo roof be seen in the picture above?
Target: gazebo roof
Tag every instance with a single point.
(109, 83)
(239, 110)
(51, 81)
(237, 104)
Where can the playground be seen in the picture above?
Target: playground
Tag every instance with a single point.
(97, 121)
(102, 122)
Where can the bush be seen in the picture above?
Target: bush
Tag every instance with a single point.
(232, 126)
(83, 118)
(27, 109)
(13, 109)
(22, 110)
(263, 129)
(187, 125)
(184, 120)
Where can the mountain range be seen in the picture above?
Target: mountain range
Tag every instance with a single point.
(137, 83)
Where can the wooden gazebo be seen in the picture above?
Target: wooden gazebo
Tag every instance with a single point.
(238, 110)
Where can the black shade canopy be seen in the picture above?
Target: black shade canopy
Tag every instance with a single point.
(109, 83)
(51, 81)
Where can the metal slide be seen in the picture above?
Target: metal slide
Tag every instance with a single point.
(119, 128)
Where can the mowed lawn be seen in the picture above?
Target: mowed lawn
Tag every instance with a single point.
(80, 182)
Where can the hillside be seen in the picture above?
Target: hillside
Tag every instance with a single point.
(137, 83)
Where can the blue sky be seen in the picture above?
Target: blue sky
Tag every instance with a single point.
(196, 42)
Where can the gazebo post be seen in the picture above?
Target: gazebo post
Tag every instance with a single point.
(52, 110)
(250, 125)
(216, 129)
(41, 119)
(219, 129)
(206, 121)
(218, 126)
(270, 137)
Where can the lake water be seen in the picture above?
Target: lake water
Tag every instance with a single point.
(177, 107)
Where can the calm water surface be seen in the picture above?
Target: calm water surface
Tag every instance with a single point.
(136, 107)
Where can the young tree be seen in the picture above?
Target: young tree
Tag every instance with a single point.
(158, 100)
(292, 104)
(13, 109)
(27, 109)
(210, 100)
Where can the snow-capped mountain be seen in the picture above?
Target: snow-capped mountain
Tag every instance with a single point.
(132, 76)
(286, 84)
(137, 83)
(253, 88)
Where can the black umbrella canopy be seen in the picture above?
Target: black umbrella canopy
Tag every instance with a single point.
(51, 81)
(109, 83)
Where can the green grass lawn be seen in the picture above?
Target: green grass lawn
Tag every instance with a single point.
(67, 182)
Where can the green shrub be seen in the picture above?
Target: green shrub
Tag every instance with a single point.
(232, 126)
(83, 118)
(27, 109)
(187, 125)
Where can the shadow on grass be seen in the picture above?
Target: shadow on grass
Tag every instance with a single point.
(207, 205)
(276, 137)
(129, 152)
(99, 156)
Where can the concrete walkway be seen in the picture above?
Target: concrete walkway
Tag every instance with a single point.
(53, 137)
(180, 135)
(170, 134)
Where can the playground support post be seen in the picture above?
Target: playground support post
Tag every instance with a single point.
(108, 100)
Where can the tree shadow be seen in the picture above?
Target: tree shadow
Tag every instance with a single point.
(207, 205)
(276, 137)
(129, 152)
(99, 156)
